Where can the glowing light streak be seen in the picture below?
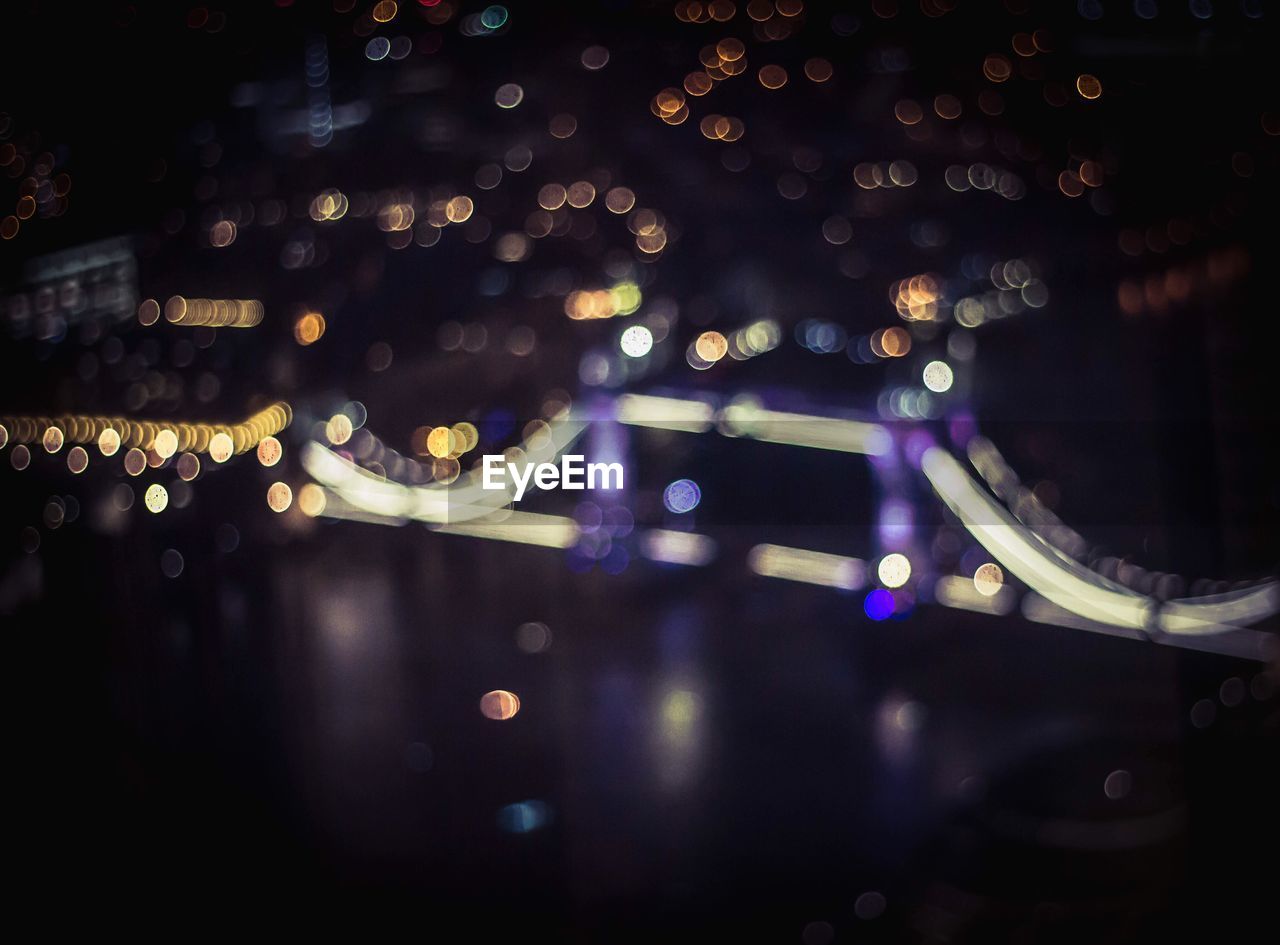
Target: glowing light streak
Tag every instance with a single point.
(798, 429)
(144, 434)
(673, 547)
(959, 592)
(461, 501)
(1025, 555)
(808, 567)
(664, 413)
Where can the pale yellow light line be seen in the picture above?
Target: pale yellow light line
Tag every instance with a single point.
(1220, 613)
(809, 567)
(664, 413)
(673, 547)
(1025, 555)
(193, 437)
(434, 503)
(959, 592)
(527, 528)
(798, 429)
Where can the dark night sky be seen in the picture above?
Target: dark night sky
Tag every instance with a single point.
(292, 722)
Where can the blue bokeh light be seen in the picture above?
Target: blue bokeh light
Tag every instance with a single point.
(682, 496)
(524, 817)
(879, 604)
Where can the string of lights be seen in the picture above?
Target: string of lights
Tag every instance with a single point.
(1085, 597)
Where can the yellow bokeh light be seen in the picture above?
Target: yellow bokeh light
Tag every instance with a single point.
(773, 77)
(446, 471)
(997, 68)
(563, 126)
(77, 459)
(580, 194)
(466, 436)
(135, 461)
(329, 204)
(552, 196)
(891, 343)
(279, 496)
(698, 83)
(908, 112)
(221, 447)
(312, 500)
(459, 209)
(1089, 86)
(339, 429)
(309, 328)
(499, 705)
(988, 579)
(730, 50)
(669, 101)
(817, 70)
(917, 297)
(109, 442)
(188, 466)
(440, 442)
(1070, 184)
(711, 346)
(222, 233)
(156, 498)
(620, 200)
(269, 451)
(215, 313)
(166, 443)
(947, 106)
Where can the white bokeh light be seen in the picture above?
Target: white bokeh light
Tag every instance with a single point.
(894, 570)
(938, 376)
(636, 341)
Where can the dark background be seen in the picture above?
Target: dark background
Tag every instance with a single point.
(292, 725)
